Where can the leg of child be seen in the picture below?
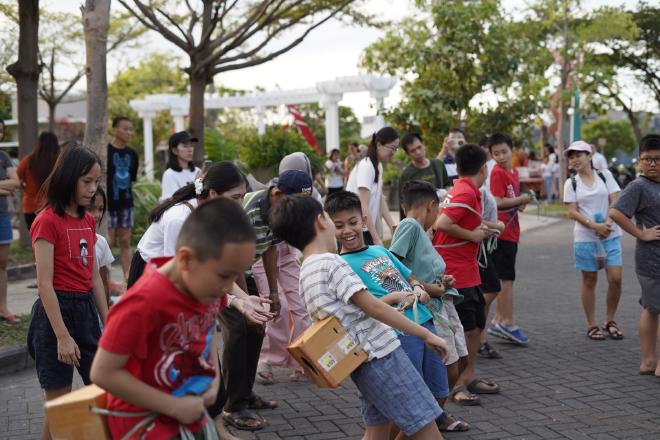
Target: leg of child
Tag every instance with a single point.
(452, 374)
(505, 304)
(648, 336)
(489, 298)
(50, 395)
(472, 340)
(588, 295)
(613, 291)
(125, 249)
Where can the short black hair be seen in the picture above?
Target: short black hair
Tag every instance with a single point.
(457, 130)
(117, 120)
(649, 142)
(214, 224)
(409, 138)
(342, 201)
(292, 220)
(101, 193)
(62, 184)
(498, 138)
(418, 192)
(469, 159)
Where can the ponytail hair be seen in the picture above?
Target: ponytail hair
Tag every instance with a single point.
(220, 177)
(383, 136)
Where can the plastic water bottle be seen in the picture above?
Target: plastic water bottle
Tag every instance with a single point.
(600, 253)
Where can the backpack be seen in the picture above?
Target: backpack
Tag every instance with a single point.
(574, 180)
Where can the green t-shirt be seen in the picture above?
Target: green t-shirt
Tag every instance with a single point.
(435, 173)
(411, 243)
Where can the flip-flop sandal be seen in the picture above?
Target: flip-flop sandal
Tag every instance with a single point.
(486, 350)
(10, 319)
(612, 325)
(259, 403)
(297, 376)
(457, 425)
(471, 400)
(240, 420)
(482, 386)
(595, 334)
(265, 375)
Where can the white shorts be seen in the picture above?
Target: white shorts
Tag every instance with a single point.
(454, 336)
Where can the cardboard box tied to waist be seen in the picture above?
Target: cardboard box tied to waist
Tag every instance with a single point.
(327, 352)
(70, 416)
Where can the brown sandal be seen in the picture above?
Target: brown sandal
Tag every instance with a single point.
(242, 420)
(613, 330)
(470, 400)
(595, 334)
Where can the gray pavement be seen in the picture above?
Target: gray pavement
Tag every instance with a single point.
(563, 386)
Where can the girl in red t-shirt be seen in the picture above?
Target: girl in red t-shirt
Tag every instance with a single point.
(64, 328)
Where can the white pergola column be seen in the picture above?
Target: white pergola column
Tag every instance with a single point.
(147, 118)
(261, 119)
(179, 115)
(330, 104)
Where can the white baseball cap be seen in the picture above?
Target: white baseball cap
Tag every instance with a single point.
(579, 146)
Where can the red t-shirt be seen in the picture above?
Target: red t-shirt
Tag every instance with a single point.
(506, 184)
(73, 239)
(461, 260)
(167, 336)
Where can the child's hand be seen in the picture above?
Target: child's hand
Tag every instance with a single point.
(68, 351)
(500, 226)
(448, 281)
(253, 310)
(524, 200)
(188, 409)
(478, 235)
(437, 344)
(651, 234)
(424, 297)
(211, 393)
(602, 230)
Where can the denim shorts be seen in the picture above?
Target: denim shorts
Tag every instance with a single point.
(6, 232)
(82, 321)
(584, 252)
(427, 362)
(121, 218)
(391, 389)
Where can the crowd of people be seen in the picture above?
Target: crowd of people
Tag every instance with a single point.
(221, 253)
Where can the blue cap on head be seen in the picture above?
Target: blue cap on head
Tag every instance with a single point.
(294, 182)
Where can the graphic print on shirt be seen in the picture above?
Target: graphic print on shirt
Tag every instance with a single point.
(79, 245)
(382, 272)
(186, 366)
(121, 180)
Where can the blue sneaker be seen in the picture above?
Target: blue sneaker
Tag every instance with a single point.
(514, 334)
(493, 330)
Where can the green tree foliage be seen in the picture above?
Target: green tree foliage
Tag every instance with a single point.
(463, 64)
(266, 151)
(619, 135)
(157, 73)
(349, 124)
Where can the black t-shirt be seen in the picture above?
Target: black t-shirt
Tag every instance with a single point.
(122, 170)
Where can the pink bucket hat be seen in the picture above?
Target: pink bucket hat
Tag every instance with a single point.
(579, 146)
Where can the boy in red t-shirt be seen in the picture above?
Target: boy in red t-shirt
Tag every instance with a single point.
(505, 187)
(158, 351)
(459, 230)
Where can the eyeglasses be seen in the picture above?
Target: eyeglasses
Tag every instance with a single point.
(394, 148)
(650, 160)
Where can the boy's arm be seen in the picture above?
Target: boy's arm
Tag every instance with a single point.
(270, 267)
(447, 225)
(108, 372)
(380, 311)
(648, 234)
(506, 203)
(100, 299)
(105, 279)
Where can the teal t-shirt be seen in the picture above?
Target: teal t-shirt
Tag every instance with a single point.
(411, 243)
(383, 273)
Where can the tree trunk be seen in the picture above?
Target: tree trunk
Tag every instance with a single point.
(26, 73)
(196, 113)
(51, 116)
(96, 22)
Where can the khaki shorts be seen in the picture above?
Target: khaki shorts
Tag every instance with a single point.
(454, 336)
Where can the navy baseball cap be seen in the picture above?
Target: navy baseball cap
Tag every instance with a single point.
(294, 182)
(181, 137)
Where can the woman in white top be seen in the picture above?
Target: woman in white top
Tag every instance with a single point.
(334, 181)
(588, 196)
(366, 180)
(222, 179)
(180, 167)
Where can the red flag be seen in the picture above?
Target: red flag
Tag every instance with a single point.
(303, 128)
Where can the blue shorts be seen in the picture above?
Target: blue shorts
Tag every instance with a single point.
(390, 389)
(121, 218)
(427, 362)
(6, 232)
(585, 251)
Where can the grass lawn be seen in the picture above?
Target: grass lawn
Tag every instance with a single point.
(12, 335)
(19, 255)
(556, 209)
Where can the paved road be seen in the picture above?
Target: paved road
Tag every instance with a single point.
(563, 386)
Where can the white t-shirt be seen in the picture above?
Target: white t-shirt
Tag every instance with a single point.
(335, 177)
(363, 176)
(173, 180)
(599, 162)
(490, 164)
(591, 200)
(102, 252)
(160, 238)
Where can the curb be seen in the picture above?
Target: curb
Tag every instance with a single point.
(14, 359)
(21, 272)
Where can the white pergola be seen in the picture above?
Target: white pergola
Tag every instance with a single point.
(326, 93)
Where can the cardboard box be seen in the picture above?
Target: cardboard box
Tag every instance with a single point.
(327, 353)
(69, 416)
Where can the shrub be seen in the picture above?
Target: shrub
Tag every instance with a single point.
(145, 198)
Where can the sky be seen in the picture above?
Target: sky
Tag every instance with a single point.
(333, 50)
